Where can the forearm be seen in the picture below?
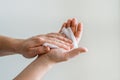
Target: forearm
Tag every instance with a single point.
(8, 45)
(36, 70)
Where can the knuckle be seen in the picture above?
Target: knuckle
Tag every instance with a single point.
(49, 34)
(38, 39)
(40, 51)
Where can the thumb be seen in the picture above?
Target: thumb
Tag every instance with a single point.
(75, 52)
(40, 50)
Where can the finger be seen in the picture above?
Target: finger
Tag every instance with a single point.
(59, 44)
(75, 52)
(68, 23)
(63, 39)
(74, 25)
(36, 41)
(78, 33)
(59, 37)
(56, 42)
(64, 25)
(40, 50)
(55, 34)
(63, 42)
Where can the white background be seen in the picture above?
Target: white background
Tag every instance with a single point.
(101, 19)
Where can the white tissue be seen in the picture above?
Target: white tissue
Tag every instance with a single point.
(69, 34)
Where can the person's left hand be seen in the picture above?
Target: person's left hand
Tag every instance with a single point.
(60, 55)
(77, 28)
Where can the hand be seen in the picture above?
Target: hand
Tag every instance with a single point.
(33, 46)
(76, 27)
(37, 69)
(59, 55)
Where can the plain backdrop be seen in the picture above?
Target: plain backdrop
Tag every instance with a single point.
(101, 19)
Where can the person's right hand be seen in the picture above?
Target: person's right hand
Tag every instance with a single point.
(33, 46)
(60, 55)
(76, 27)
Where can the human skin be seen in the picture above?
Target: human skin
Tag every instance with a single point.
(32, 46)
(76, 27)
(39, 67)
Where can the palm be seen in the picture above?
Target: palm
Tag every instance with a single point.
(59, 55)
(56, 55)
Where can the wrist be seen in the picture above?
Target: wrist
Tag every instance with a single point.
(17, 45)
(46, 61)
(8, 44)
